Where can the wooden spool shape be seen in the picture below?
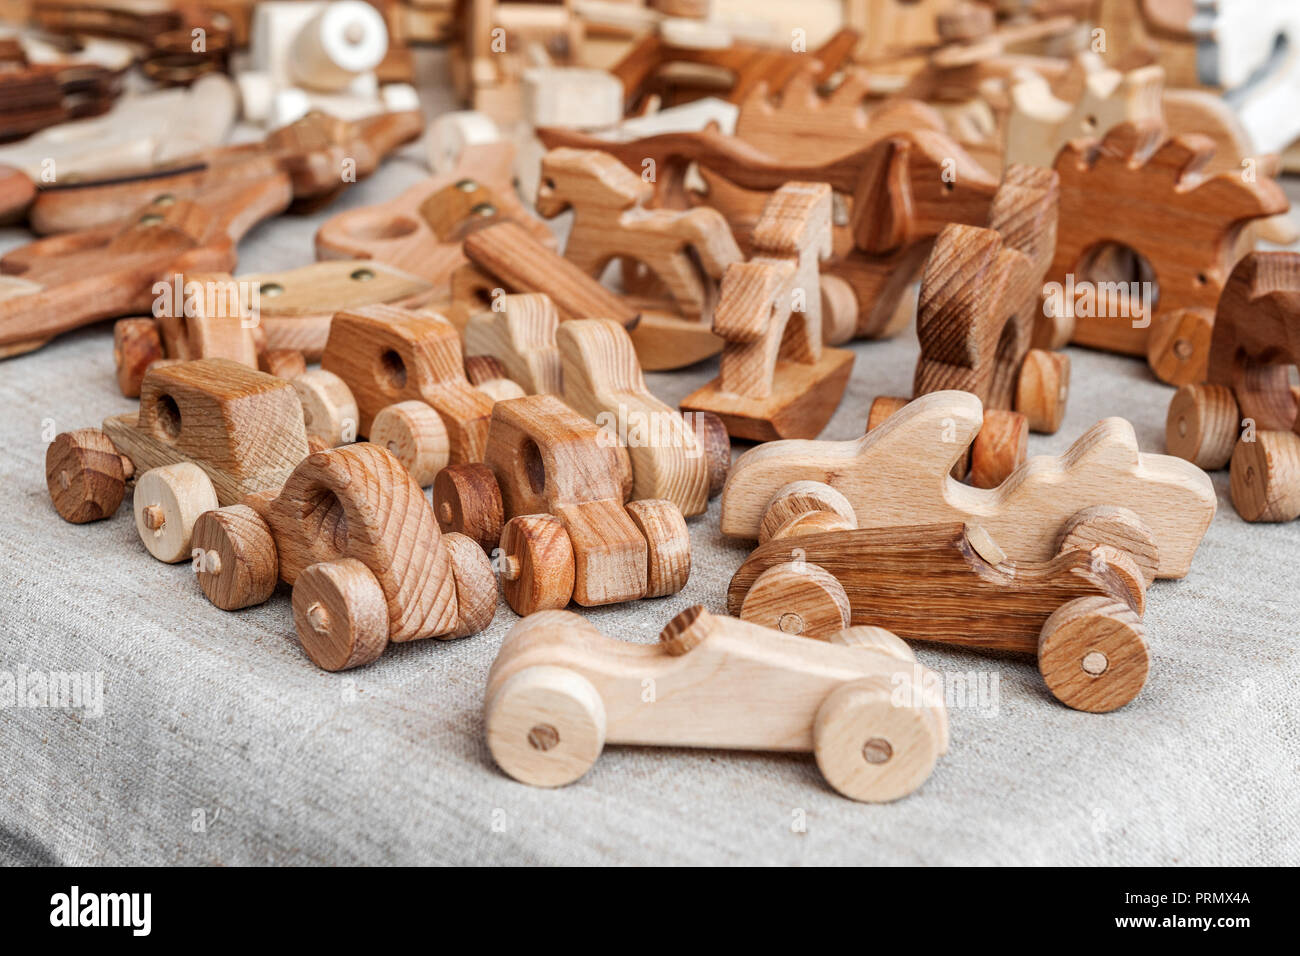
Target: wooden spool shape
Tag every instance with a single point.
(85, 475)
(168, 500)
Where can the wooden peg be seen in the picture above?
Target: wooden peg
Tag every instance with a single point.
(388, 355)
(880, 473)
(512, 256)
(603, 381)
(521, 336)
(1136, 191)
(558, 692)
(776, 378)
(1248, 411)
(547, 460)
(904, 579)
(421, 231)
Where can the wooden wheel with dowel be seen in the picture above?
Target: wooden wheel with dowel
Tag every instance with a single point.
(1202, 425)
(537, 564)
(467, 499)
(1265, 477)
(340, 614)
(234, 555)
(168, 501)
(1093, 654)
(545, 726)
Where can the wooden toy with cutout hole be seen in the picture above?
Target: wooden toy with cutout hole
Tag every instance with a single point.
(1079, 611)
(208, 433)
(674, 259)
(1146, 224)
(550, 493)
(899, 474)
(421, 231)
(405, 374)
(353, 534)
(679, 458)
(975, 319)
(1247, 413)
(897, 192)
(559, 690)
(777, 379)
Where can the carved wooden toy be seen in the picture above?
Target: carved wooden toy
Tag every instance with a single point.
(1136, 194)
(898, 475)
(208, 433)
(42, 85)
(559, 483)
(682, 253)
(406, 375)
(1078, 611)
(316, 158)
(64, 282)
(520, 334)
(355, 537)
(559, 691)
(776, 379)
(900, 192)
(975, 319)
(1248, 412)
(683, 461)
(421, 231)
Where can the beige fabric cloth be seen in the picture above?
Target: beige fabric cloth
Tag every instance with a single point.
(220, 743)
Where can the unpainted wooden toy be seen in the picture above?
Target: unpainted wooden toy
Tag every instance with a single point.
(559, 690)
(898, 193)
(777, 379)
(683, 459)
(421, 231)
(677, 257)
(405, 375)
(559, 483)
(979, 298)
(519, 332)
(1248, 412)
(355, 537)
(1080, 611)
(208, 433)
(1151, 243)
(897, 475)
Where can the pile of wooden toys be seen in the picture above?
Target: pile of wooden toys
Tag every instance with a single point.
(451, 399)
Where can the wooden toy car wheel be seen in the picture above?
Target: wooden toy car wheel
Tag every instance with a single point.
(1202, 424)
(476, 585)
(1043, 389)
(86, 475)
(871, 748)
(538, 570)
(545, 726)
(1092, 652)
(168, 500)
(414, 432)
(1178, 345)
(799, 498)
(340, 614)
(797, 598)
(1114, 527)
(712, 431)
(1000, 447)
(234, 556)
(668, 544)
(467, 500)
(329, 410)
(1265, 477)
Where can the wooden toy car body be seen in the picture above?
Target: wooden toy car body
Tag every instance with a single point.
(559, 483)
(898, 475)
(1079, 612)
(559, 690)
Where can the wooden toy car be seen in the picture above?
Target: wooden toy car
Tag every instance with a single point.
(559, 691)
(1248, 412)
(951, 583)
(208, 433)
(354, 535)
(898, 475)
(558, 482)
